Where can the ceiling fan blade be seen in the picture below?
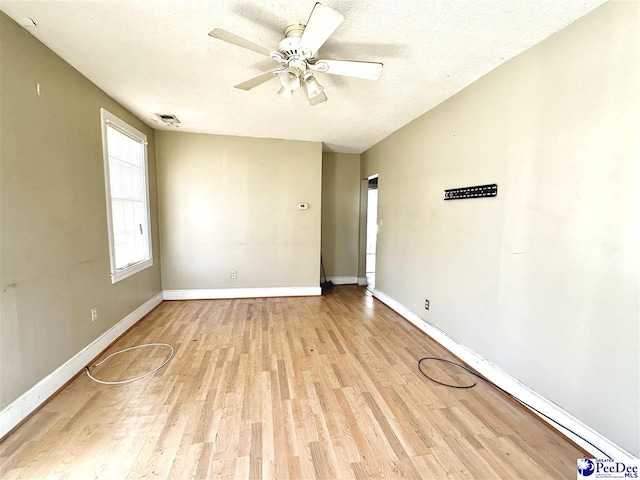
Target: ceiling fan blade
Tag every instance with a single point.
(259, 80)
(349, 68)
(239, 41)
(322, 22)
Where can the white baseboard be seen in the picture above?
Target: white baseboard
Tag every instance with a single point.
(362, 281)
(343, 280)
(220, 293)
(516, 388)
(21, 407)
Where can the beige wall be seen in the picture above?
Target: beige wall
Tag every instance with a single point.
(340, 213)
(230, 203)
(543, 279)
(54, 254)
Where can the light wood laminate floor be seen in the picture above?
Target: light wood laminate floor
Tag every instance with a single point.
(317, 387)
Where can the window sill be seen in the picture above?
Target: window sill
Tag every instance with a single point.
(132, 270)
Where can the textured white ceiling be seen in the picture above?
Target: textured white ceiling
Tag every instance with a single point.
(156, 57)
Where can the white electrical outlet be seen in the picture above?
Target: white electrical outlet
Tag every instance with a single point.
(94, 314)
(234, 274)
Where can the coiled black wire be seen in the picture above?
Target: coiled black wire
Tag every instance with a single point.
(444, 360)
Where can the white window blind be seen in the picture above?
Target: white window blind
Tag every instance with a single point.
(127, 197)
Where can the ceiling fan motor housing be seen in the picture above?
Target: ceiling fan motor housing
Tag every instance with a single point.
(288, 46)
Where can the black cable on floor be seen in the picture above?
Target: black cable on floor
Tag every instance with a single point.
(498, 388)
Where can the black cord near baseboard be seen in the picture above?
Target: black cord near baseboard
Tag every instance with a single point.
(444, 360)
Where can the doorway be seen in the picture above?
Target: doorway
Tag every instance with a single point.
(372, 230)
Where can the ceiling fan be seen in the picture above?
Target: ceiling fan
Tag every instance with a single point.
(297, 55)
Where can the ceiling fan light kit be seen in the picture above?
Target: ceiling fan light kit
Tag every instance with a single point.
(297, 55)
(285, 93)
(290, 78)
(312, 86)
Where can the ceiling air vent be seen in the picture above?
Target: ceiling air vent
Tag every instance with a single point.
(169, 119)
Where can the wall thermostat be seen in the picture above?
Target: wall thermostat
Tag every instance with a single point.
(303, 206)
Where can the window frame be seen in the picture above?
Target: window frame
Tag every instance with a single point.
(109, 119)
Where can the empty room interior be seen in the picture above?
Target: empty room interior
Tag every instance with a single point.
(291, 239)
